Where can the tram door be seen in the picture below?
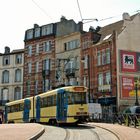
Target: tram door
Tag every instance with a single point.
(38, 109)
(26, 112)
(61, 105)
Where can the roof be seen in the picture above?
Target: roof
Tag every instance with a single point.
(17, 51)
(107, 30)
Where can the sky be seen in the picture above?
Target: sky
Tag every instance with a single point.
(16, 16)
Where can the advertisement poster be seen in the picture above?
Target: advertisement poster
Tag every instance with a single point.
(128, 61)
(127, 86)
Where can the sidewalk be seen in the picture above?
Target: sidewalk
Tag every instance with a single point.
(28, 131)
(123, 132)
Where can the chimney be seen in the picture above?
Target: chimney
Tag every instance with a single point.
(63, 18)
(7, 50)
(36, 25)
(126, 16)
(80, 24)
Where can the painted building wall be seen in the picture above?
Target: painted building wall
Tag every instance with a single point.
(12, 84)
(63, 55)
(128, 44)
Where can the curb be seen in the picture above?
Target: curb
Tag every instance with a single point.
(36, 136)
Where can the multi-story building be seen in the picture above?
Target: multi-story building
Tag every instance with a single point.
(11, 73)
(54, 55)
(113, 63)
(44, 55)
(128, 61)
(39, 59)
(68, 52)
(87, 59)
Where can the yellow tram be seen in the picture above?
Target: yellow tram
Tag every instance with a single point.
(62, 105)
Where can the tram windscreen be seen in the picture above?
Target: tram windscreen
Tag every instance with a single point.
(76, 97)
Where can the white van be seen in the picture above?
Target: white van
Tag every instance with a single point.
(95, 111)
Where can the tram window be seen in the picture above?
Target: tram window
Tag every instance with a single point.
(16, 108)
(45, 102)
(12, 109)
(83, 100)
(21, 107)
(8, 109)
(53, 100)
(78, 97)
(49, 99)
(70, 98)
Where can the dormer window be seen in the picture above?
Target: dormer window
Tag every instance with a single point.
(18, 58)
(47, 29)
(37, 32)
(6, 60)
(29, 34)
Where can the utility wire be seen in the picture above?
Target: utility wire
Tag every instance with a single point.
(79, 10)
(41, 9)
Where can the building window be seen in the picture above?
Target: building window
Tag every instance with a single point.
(85, 81)
(37, 48)
(86, 62)
(46, 64)
(47, 29)
(29, 67)
(36, 67)
(100, 79)
(71, 45)
(18, 58)
(99, 58)
(107, 78)
(71, 65)
(5, 94)
(17, 94)
(29, 50)
(5, 76)
(37, 32)
(47, 85)
(47, 46)
(6, 60)
(18, 75)
(107, 55)
(103, 57)
(29, 34)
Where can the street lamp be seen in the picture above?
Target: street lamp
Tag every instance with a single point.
(136, 89)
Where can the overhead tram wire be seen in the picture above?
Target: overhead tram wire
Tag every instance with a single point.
(95, 19)
(42, 9)
(79, 10)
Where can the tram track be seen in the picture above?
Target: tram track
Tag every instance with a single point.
(67, 137)
(80, 132)
(111, 132)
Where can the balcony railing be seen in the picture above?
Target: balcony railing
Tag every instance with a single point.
(70, 72)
